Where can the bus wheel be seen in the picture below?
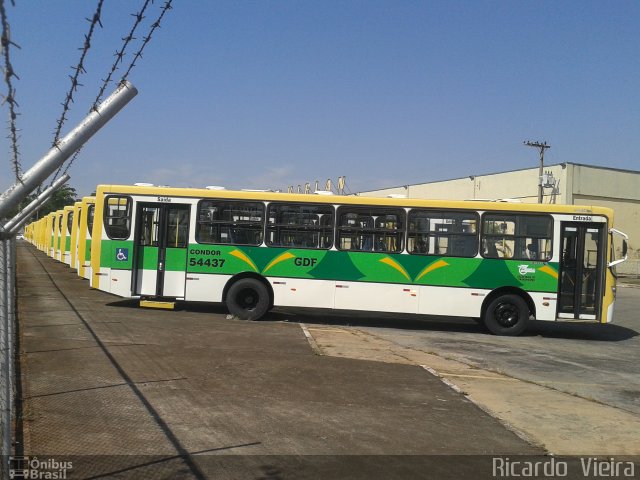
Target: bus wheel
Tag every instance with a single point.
(248, 299)
(507, 315)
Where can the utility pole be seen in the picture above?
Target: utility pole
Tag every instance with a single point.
(542, 146)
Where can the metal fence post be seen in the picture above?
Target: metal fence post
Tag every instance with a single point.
(65, 147)
(13, 225)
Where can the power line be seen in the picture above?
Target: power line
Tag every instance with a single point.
(10, 97)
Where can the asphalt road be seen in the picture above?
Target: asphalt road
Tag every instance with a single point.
(593, 361)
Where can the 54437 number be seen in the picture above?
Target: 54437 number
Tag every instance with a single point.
(209, 262)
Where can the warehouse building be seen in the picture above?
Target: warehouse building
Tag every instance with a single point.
(564, 183)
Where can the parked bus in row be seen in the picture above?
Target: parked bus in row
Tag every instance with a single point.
(83, 263)
(65, 235)
(503, 263)
(74, 227)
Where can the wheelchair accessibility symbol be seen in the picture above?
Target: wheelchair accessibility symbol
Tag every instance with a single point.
(122, 254)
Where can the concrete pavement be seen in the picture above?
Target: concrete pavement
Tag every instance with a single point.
(571, 387)
(138, 393)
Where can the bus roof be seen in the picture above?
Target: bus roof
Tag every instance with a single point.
(351, 200)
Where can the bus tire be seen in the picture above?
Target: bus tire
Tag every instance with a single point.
(248, 299)
(507, 315)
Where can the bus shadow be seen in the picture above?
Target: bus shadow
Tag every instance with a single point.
(180, 306)
(128, 303)
(559, 330)
(581, 331)
(377, 320)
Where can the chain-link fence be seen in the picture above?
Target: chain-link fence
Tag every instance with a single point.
(7, 332)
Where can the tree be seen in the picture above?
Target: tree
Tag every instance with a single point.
(62, 197)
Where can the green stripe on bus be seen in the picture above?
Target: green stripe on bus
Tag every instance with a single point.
(147, 258)
(346, 266)
(87, 250)
(109, 251)
(175, 259)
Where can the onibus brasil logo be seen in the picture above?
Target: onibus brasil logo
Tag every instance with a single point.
(35, 468)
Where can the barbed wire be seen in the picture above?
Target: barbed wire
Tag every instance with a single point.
(121, 53)
(77, 71)
(10, 97)
(119, 56)
(147, 39)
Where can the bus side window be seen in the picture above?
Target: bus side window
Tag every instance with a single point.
(517, 236)
(230, 222)
(117, 217)
(446, 233)
(421, 245)
(90, 215)
(298, 225)
(369, 229)
(490, 249)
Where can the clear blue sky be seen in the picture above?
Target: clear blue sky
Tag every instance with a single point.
(265, 94)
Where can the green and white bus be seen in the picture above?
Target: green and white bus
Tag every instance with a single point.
(503, 263)
(66, 225)
(87, 210)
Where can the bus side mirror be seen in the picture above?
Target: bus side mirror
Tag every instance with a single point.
(625, 237)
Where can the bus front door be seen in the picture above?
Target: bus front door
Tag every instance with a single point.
(160, 250)
(581, 270)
